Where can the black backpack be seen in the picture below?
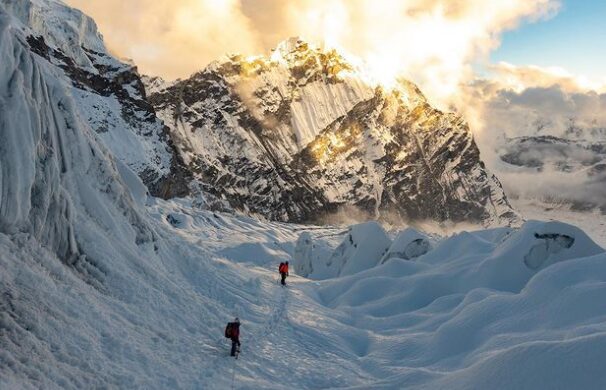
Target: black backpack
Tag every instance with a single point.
(228, 329)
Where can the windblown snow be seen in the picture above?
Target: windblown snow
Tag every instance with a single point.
(105, 286)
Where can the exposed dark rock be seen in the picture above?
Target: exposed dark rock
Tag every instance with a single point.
(109, 77)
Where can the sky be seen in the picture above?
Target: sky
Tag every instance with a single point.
(574, 39)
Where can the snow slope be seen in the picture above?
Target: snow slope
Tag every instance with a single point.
(451, 318)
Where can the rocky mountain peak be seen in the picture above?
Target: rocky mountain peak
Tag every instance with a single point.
(299, 134)
(294, 136)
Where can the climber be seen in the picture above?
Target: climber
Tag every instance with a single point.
(283, 269)
(232, 331)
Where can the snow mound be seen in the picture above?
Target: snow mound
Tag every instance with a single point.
(408, 244)
(472, 314)
(535, 246)
(361, 249)
(311, 253)
(494, 260)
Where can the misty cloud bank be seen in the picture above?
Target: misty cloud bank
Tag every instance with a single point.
(566, 158)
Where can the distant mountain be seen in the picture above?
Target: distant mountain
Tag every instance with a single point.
(578, 159)
(299, 134)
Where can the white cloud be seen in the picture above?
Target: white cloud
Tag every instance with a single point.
(173, 38)
(519, 101)
(432, 42)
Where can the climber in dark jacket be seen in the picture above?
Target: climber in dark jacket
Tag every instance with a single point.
(233, 332)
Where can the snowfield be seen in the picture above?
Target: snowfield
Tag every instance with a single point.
(500, 309)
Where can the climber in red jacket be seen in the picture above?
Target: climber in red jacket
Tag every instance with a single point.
(283, 269)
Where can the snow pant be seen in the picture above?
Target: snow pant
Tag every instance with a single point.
(234, 347)
(283, 275)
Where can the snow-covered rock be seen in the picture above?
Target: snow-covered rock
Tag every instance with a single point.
(300, 134)
(108, 93)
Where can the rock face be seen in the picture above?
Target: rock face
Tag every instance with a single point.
(109, 94)
(300, 134)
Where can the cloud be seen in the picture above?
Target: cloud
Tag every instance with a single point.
(172, 38)
(432, 42)
(521, 101)
(531, 101)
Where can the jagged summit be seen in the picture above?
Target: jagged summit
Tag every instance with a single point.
(286, 47)
(297, 135)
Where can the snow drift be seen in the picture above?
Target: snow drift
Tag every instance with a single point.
(471, 313)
